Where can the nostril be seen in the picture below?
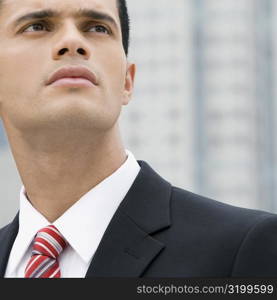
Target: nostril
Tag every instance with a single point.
(81, 51)
(62, 51)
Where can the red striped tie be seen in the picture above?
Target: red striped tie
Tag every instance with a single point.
(48, 244)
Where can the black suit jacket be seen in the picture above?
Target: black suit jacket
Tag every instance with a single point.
(164, 231)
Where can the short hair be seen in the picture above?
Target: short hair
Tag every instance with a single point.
(124, 23)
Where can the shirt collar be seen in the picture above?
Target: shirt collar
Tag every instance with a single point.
(85, 222)
(30, 221)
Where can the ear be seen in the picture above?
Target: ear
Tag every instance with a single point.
(129, 83)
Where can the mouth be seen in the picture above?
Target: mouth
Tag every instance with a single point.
(72, 76)
(72, 82)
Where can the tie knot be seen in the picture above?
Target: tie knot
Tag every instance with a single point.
(49, 242)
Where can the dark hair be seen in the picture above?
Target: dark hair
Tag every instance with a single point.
(124, 23)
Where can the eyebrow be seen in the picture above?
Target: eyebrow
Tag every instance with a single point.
(49, 13)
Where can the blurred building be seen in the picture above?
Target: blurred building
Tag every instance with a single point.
(235, 101)
(227, 118)
(220, 139)
(158, 124)
(204, 111)
(9, 182)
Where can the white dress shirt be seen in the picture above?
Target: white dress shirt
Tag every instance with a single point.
(82, 225)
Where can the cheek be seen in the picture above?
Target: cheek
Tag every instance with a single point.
(18, 87)
(20, 60)
(115, 75)
(19, 70)
(113, 80)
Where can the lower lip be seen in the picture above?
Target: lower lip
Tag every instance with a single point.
(73, 82)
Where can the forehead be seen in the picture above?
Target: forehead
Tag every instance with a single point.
(14, 8)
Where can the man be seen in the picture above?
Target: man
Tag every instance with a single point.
(87, 207)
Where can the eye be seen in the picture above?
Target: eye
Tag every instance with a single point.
(39, 26)
(99, 29)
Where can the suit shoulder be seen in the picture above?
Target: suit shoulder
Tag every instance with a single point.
(10, 227)
(4, 228)
(215, 212)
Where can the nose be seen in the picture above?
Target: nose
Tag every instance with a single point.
(70, 42)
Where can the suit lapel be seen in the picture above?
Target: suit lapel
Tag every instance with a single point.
(7, 237)
(127, 247)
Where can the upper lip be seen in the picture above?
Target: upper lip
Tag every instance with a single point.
(72, 71)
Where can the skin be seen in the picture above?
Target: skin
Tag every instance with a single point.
(65, 140)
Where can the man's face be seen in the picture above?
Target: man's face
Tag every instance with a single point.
(31, 49)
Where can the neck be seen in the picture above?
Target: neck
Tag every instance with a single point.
(57, 174)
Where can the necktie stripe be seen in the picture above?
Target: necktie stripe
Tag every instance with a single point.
(52, 228)
(31, 262)
(56, 274)
(47, 246)
(51, 240)
(51, 272)
(58, 237)
(44, 268)
(37, 266)
(36, 263)
(39, 245)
